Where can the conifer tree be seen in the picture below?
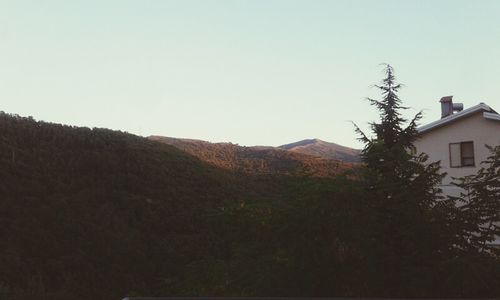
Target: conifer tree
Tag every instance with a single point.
(408, 223)
(393, 167)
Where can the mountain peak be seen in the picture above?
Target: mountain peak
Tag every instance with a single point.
(323, 149)
(301, 143)
(257, 159)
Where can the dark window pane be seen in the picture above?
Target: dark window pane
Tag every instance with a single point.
(468, 162)
(467, 150)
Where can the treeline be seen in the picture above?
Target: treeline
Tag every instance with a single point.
(93, 213)
(100, 214)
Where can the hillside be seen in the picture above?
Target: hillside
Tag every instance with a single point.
(90, 211)
(257, 160)
(324, 149)
(100, 214)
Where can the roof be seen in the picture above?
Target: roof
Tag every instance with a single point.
(488, 113)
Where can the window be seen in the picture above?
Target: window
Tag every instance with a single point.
(462, 155)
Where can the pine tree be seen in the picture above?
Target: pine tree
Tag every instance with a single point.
(393, 166)
(409, 219)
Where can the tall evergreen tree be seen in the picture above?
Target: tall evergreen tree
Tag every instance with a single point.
(390, 156)
(409, 215)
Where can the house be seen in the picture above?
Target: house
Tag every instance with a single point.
(458, 139)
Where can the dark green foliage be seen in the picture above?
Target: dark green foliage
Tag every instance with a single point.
(94, 213)
(99, 214)
(479, 205)
(413, 228)
(403, 192)
(391, 162)
(306, 244)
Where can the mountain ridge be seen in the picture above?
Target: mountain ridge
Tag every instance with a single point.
(257, 159)
(311, 147)
(320, 148)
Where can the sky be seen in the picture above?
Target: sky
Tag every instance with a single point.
(254, 72)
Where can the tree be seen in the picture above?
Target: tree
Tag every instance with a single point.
(479, 205)
(409, 221)
(390, 156)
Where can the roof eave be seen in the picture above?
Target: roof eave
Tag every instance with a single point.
(454, 117)
(491, 116)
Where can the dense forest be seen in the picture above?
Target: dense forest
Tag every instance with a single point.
(100, 214)
(94, 213)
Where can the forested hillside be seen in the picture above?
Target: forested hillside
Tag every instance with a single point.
(94, 211)
(258, 160)
(100, 214)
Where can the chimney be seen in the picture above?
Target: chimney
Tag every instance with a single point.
(448, 107)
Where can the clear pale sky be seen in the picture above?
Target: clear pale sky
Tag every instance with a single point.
(256, 72)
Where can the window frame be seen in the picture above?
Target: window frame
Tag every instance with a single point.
(462, 165)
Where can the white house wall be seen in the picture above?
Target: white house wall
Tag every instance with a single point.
(476, 128)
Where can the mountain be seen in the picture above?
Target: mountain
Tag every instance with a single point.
(258, 159)
(324, 149)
